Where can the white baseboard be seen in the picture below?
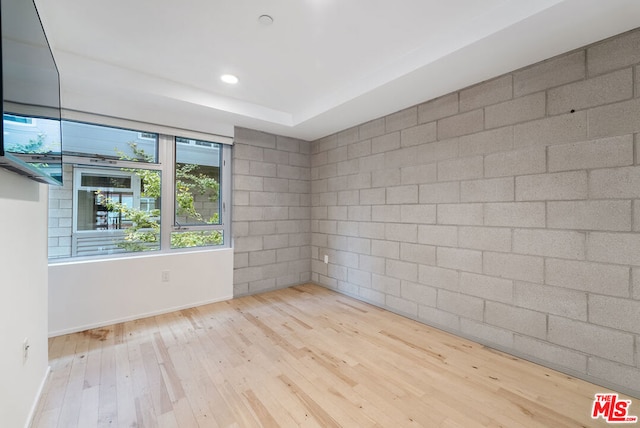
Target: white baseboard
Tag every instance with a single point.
(135, 317)
(37, 398)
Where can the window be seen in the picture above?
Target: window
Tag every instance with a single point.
(94, 188)
(123, 185)
(101, 144)
(197, 194)
(115, 211)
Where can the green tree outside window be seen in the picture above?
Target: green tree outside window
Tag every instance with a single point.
(144, 231)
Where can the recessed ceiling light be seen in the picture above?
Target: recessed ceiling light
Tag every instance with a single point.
(265, 19)
(229, 78)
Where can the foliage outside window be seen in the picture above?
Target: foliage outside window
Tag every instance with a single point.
(197, 193)
(117, 204)
(141, 221)
(115, 209)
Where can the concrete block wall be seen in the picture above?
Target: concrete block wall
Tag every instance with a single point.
(508, 212)
(202, 205)
(271, 211)
(61, 215)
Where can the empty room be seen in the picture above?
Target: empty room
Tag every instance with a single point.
(320, 213)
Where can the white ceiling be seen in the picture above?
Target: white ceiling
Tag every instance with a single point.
(321, 67)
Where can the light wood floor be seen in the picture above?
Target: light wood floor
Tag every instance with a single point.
(303, 356)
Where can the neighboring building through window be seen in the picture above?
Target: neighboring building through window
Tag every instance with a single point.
(22, 120)
(114, 185)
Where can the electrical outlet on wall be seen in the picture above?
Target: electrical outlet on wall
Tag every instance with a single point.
(165, 276)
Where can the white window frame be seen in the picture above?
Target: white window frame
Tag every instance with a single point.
(79, 171)
(168, 210)
(166, 156)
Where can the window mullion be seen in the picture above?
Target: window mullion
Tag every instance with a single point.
(225, 194)
(85, 161)
(167, 207)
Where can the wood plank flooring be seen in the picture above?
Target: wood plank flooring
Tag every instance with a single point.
(302, 356)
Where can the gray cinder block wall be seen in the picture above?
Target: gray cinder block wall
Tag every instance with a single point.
(61, 215)
(271, 211)
(508, 212)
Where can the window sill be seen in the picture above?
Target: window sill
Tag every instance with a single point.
(129, 256)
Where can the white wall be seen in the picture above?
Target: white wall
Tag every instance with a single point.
(23, 296)
(89, 294)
